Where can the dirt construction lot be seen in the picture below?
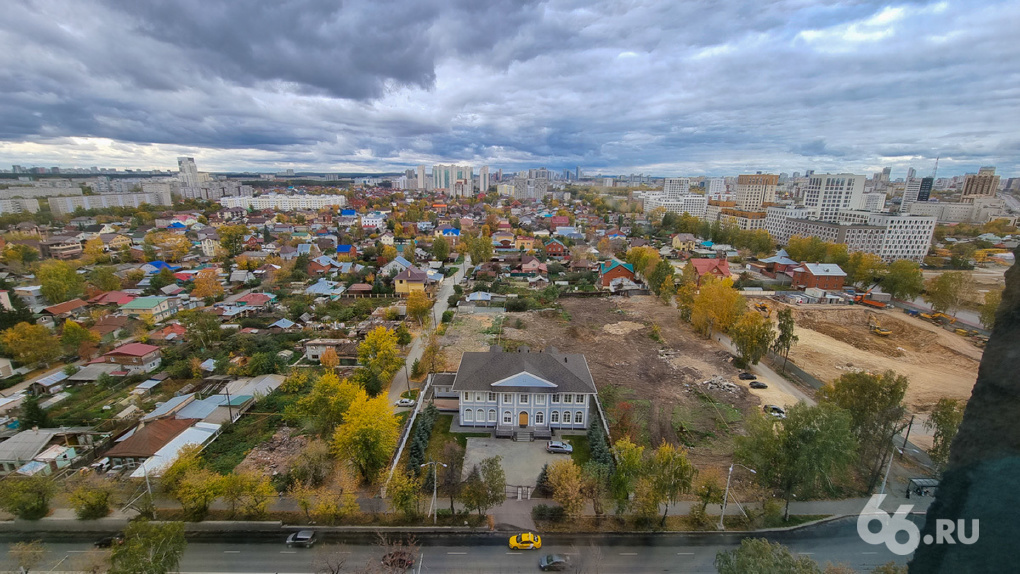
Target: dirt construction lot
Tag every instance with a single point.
(654, 388)
(834, 340)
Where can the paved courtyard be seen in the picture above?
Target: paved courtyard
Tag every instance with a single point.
(522, 461)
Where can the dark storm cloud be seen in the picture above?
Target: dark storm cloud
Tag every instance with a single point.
(667, 87)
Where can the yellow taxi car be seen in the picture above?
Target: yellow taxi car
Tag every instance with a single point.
(526, 541)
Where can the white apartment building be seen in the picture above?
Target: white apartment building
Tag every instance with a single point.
(715, 186)
(753, 190)
(979, 210)
(674, 187)
(420, 174)
(778, 220)
(66, 205)
(445, 176)
(831, 193)
(910, 192)
(982, 184)
(874, 201)
(692, 204)
(19, 205)
(36, 192)
(281, 202)
(188, 172)
(890, 236)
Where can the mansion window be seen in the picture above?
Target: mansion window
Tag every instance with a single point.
(568, 398)
(508, 398)
(492, 415)
(579, 417)
(579, 399)
(492, 397)
(524, 399)
(540, 400)
(468, 415)
(555, 417)
(539, 418)
(507, 418)
(555, 399)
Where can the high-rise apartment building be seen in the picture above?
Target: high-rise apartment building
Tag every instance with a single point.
(829, 194)
(911, 191)
(483, 179)
(674, 187)
(982, 184)
(911, 173)
(755, 190)
(188, 172)
(446, 176)
(715, 186)
(420, 172)
(924, 193)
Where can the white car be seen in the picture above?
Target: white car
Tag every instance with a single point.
(405, 403)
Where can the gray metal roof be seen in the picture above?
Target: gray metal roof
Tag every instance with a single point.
(26, 444)
(524, 371)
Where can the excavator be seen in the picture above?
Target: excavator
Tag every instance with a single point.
(764, 309)
(877, 329)
(941, 319)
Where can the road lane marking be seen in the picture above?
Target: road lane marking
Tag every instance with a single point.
(77, 551)
(869, 553)
(628, 554)
(685, 554)
(459, 553)
(514, 553)
(288, 552)
(231, 551)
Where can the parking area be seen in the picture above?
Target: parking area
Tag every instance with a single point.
(522, 461)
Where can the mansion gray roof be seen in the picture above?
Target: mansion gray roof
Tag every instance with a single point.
(524, 371)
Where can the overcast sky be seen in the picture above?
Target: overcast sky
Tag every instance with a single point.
(711, 87)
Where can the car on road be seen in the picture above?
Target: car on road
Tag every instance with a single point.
(554, 562)
(109, 541)
(526, 541)
(758, 385)
(304, 538)
(745, 376)
(398, 559)
(775, 411)
(559, 446)
(405, 403)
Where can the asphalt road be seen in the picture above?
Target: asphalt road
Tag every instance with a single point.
(835, 542)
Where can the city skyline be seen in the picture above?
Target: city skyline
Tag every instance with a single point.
(659, 89)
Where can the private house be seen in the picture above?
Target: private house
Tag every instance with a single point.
(531, 266)
(159, 308)
(61, 247)
(30, 449)
(349, 251)
(718, 268)
(66, 309)
(322, 264)
(684, 242)
(556, 249)
(410, 280)
(115, 241)
(346, 350)
(259, 301)
(112, 298)
(778, 264)
(826, 276)
(31, 295)
(523, 394)
(503, 242)
(524, 243)
(145, 441)
(615, 269)
(134, 357)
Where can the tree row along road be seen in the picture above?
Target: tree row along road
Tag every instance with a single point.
(836, 542)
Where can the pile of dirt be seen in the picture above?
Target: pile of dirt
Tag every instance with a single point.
(275, 455)
(622, 328)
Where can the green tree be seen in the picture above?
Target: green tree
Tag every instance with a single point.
(472, 492)
(30, 344)
(404, 492)
(903, 280)
(753, 335)
(480, 249)
(672, 475)
(948, 291)
(630, 467)
(759, 556)
(485, 486)
(440, 249)
(944, 420)
(201, 327)
(875, 405)
(989, 308)
(79, 340)
(162, 279)
(795, 454)
(595, 484)
(59, 281)
(232, 238)
(418, 307)
(863, 269)
(786, 337)
(368, 435)
(326, 403)
(150, 548)
(33, 415)
(91, 498)
(104, 279)
(27, 497)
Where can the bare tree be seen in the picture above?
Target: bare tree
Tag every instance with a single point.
(27, 555)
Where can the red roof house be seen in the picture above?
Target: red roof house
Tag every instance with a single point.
(719, 268)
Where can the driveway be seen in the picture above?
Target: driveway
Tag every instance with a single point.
(522, 461)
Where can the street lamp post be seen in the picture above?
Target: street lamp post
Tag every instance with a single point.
(432, 508)
(726, 494)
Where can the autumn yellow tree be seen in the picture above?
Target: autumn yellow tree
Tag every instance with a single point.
(418, 306)
(232, 238)
(94, 251)
(78, 339)
(717, 306)
(30, 344)
(207, 284)
(174, 247)
(644, 259)
(566, 482)
(329, 359)
(326, 403)
(368, 434)
(379, 358)
(59, 280)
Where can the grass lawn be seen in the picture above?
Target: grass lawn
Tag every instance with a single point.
(582, 450)
(441, 435)
(251, 430)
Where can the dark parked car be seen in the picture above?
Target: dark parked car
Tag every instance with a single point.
(109, 541)
(758, 385)
(745, 376)
(555, 562)
(304, 538)
(401, 559)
